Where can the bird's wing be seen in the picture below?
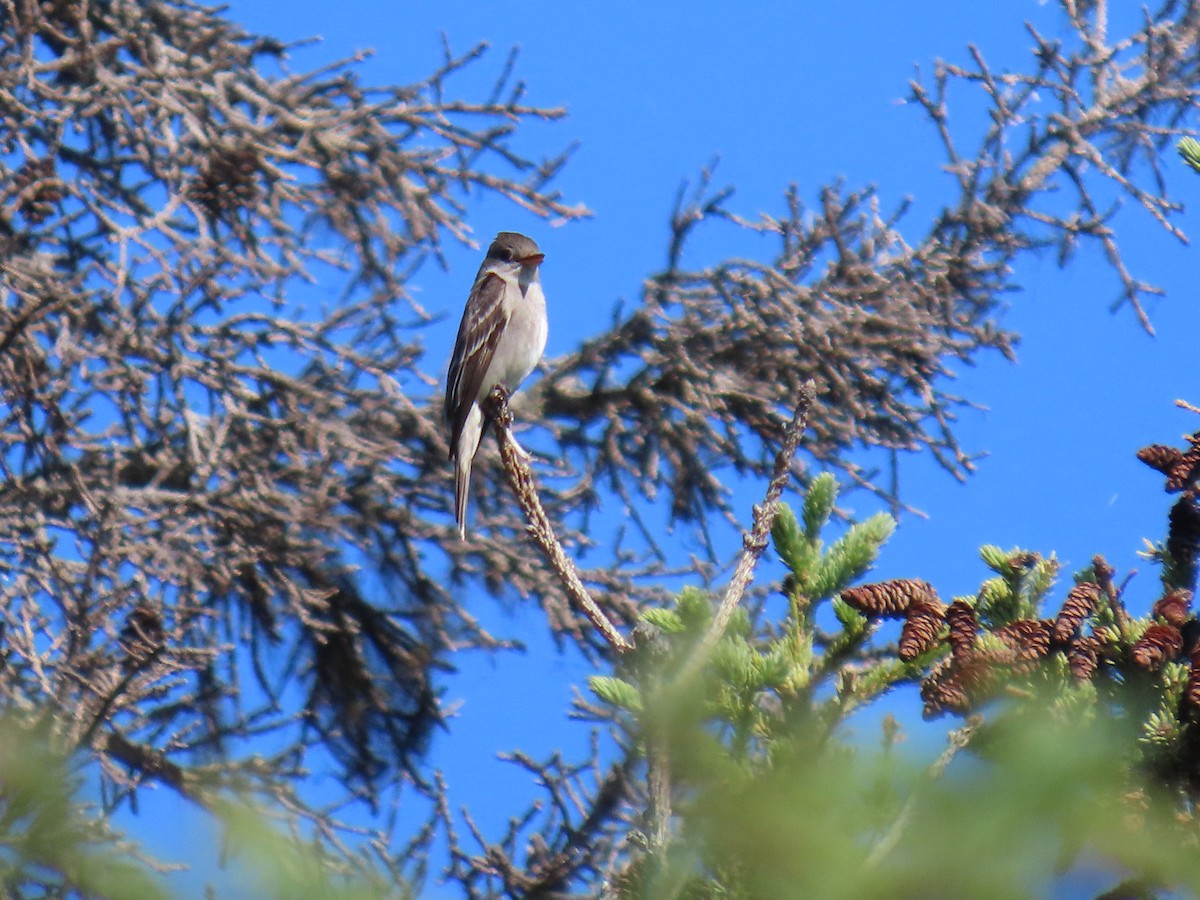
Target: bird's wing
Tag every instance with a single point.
(482, 324)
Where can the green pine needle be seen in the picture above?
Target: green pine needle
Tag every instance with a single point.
(1189, 149)
(796, 550)
(851, 555)
(616, 692)
(666, 619)
(818, 504)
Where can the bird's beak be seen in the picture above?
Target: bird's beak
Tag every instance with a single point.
(534, 260)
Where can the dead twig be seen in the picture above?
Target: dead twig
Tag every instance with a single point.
(520, 476)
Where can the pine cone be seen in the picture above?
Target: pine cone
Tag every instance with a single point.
(960, 616)
(943, 692)
(979, 672)
(1160, 457)
(38, 188)
(890, 599)
(141, 636)
(1184, 473)
(1080, 602)
(1159, 644)
(1030, 638)
(227, 180)
(1174, 607)
(1182, 467)
(921, 630)
(1083, 655)
(956, 685)
(1027, 640)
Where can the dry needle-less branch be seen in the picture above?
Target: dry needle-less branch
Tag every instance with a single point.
(520, 476)
(216, 508)
(680, 398)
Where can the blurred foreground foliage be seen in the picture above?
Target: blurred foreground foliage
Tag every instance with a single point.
(1042, 805)
(53, 843)
(1074, 768)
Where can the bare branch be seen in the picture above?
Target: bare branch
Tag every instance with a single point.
(539, 528)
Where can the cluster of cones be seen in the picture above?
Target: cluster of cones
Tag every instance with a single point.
(976, 667)
(227, 180)
(37, 188)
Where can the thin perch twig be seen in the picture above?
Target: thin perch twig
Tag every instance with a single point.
(520, 476)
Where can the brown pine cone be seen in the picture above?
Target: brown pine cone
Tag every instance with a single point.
(921, 630)
(1083, 655)
(943, 692)
(1183, 474)
(1160, 457)
(960, 616)
(227, 179)
(1026, 641)
(1080, 602)
(890, 599)
(1159, 644)
(1174, 607)
(1030, 638)
(141, 636)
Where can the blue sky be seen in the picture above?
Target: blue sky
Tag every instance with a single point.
(789, 93)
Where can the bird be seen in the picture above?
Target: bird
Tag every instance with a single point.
(500, 340)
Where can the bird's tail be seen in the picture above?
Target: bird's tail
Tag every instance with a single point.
(462, 487)
(466, 445)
